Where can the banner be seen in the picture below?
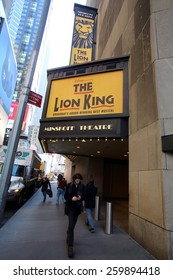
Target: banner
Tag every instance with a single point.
(89, 95)
(35, 99)
(13, 114)
(83, 34)
(8, 69)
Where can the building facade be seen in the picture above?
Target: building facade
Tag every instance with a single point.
(26, 23)
(13, 11)
(143, 30)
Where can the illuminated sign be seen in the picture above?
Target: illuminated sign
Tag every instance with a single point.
(89, 95)
(8, 69)
(84, 128)
(88, 100)
(83, 34)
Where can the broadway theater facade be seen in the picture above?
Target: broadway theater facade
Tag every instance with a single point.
(134, 36)
(143, 30)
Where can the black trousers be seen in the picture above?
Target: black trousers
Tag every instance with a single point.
(72, 219)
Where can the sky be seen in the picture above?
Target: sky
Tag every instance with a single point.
(61, 29)
(59, 41)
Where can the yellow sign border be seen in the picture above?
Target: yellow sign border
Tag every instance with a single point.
(89, 95)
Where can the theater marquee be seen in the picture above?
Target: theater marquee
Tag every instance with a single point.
(85, 102)
(79, 129)
(89, 95)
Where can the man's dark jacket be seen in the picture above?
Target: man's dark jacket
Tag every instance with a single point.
(72, 190)
(90, 193)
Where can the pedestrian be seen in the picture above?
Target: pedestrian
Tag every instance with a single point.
(74, 195)
(45, 184)
(61, 185)
(90, 194)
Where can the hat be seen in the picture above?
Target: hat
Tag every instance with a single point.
(77, 176)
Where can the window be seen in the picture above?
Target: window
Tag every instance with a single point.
(1, 165)
(18, 170)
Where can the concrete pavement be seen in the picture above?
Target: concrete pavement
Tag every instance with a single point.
(37, 231)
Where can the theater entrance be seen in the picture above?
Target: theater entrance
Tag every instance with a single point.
(85, 118)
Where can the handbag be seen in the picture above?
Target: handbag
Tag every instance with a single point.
(49, 192)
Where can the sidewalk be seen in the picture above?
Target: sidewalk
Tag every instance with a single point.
(37, 231)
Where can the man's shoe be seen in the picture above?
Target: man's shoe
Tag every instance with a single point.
(70, 251)
(92, 230)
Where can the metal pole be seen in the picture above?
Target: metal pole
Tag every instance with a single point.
(15, 133)
(14, 136)
(97, 208)
(109, 218)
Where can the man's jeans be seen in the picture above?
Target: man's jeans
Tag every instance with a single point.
(89, 217)
(60, 193)
(44, 196)
(72, 220)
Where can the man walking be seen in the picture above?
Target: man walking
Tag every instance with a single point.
(90, 194)
(74, 194)
(61, 185)
(45, 184)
